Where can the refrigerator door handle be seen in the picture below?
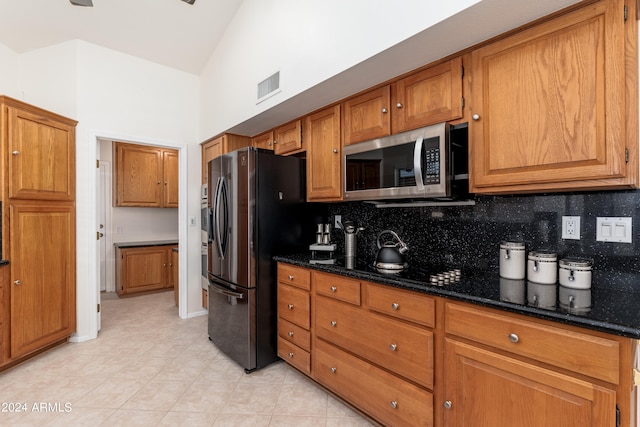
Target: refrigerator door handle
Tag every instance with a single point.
(219, 289)
(223, 235)
(215, 225)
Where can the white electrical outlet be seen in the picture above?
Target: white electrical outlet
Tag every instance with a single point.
(337, 220)
(571, 227)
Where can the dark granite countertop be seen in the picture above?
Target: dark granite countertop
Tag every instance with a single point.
(145, 243)
(615, 308)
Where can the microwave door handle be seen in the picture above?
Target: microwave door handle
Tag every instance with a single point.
(417, 163)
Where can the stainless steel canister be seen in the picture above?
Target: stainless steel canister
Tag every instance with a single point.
(542, 267)
(575, 273)
(512, 260)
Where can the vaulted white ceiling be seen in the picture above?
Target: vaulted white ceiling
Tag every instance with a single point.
(167, 32)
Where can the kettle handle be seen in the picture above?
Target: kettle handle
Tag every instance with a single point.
(403, 246)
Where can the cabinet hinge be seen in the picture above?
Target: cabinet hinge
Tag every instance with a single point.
(626, 155)
(97, 164)
(462, 71)
(617, 416)
(626, 13)
(463, 102)
(98, 308)
(97, 235)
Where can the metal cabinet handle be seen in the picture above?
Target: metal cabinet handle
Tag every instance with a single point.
(393, 347)
(290, 333)
(395, 306)
(291, 355)
(514, 338)
(333, 323)
(393, 404)
(17, 282)
(335, 150)
(333, 370)
(399, 105)
(290, 277)
(15, 153)
(448, 404)
(384, 110)
(275, 142)
(333, 289)
(290, 306)
(476, 117)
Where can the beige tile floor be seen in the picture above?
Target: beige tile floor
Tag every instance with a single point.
(148, 367)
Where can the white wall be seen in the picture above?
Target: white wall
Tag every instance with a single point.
(9, 81)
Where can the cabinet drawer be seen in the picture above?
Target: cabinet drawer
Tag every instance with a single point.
(398, 346)
(293, 305)
(582, 353)
(385, 397)
(294, 333)
(294, 276)
(341, 288)
(294, 355)
(406, 305)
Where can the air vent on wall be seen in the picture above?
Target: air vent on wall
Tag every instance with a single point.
(269, 86)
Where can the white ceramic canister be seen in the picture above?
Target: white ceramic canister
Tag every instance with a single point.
(575, 273)
(512, 260)
(542, 267)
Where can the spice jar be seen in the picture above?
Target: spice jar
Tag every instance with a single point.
(575, 273)
(512, 261)
(542, 267)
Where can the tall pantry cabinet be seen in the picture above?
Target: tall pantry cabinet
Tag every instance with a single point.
(37, 158)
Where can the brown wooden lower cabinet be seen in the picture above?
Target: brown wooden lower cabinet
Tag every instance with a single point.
(143, 269)
(408, 358)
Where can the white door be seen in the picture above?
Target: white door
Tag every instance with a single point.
(102, 234)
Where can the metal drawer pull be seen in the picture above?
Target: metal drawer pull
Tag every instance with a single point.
(333, 370)
(291, 355)
(399, 105)
(333, 323)
(290, 306)
(448, 404)
(290, 333)
(393, 347)
(333, 289)
(513, 338)
(15, 153)
(395, 306)
(290, 277)
(384, 110)
(17, 282)
(393, 404)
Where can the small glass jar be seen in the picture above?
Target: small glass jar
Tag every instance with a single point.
(575, 273)
(512, 260)
(542, 267)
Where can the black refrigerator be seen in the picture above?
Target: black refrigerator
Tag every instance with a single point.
(256, 205)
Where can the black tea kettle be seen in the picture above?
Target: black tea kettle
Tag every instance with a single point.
(391, 258)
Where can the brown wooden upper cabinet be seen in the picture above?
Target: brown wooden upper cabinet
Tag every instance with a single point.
(554, 108)
(288, 138)
(42, 159)
(145, 176)
(324, 172)
(264, 141)
(430, 96)
(220, 145)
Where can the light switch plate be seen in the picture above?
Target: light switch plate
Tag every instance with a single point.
(612, 229)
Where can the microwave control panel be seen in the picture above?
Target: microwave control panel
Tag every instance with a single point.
(431, 162)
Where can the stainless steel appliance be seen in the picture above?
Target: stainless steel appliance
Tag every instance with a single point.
(430, 162)
(204, 235)
(256, 210)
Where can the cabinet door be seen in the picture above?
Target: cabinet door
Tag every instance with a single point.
(430, 96)
(550, 104)
(210, 150)
(324, 176)
(175, 274)
(143, 269)
(43, 269)
(138, 175)
(288, 138)
(488, 389)
(42, 160)
(170, 175)
(367, 116)
(264, 141)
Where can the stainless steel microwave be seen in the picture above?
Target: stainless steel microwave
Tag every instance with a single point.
(430, 162)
